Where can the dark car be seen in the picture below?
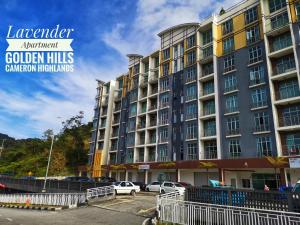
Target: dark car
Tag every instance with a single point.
(28, 178)
(141, 184)
(105, 179)
(78, 179)
(185, 184)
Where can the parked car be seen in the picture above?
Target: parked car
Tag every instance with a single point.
(185, 184)
(167, 187)
(141, 185)
(153, 186)
(297, 187)
(126, 187)
(78, 179)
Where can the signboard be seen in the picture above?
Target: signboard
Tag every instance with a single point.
(144, 167)
(294, 162)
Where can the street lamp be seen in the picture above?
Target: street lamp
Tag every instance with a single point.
(49, 159)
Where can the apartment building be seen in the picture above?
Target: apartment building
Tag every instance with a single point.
(219, 99)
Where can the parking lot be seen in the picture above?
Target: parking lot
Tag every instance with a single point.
(142, 204)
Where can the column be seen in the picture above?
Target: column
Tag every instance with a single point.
(146, 176)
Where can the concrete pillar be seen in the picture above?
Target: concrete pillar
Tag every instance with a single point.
(178, 175)
(109, 172)
(126, 175)
(221, 175)
(283, 178)
(146, 176)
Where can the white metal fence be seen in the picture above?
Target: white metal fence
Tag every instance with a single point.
(173, 209)
(47, 199)
(100, 192)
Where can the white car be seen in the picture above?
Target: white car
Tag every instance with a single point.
(153, 186)
(126, 187)
(168, 186)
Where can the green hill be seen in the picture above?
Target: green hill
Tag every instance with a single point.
(70, 150)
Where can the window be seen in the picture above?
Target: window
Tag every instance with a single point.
(227, 27)
(210, 150)
(246, 183)
(234, 148)
(279, 20)
(191, 111)
(229, 63)
(130, 139)
(257, 75)
(208, 88)
(192, 150)
(164, 117)
(292, 144)
(131, 124)
(190, 74)
(263, 145)
(163, 135)
(191, 131)
(231, 104)
(209, 128)
(164, 100)
(228, 45)
(163, 153)
(132, 110)
(281, 41)
(209, 107)
(261, 122)
(284, 64)
(136, 69)
(297, 8)
(230, 83)
(191, 57)
(288, 89)
(207, 37)
(191, 92)
(233, 125)
(207, 69)
(255, 54)
(165, 69)
(191, 41)
(133, 96)
(166, 54)
(252, 34)
(251, 15)
(259, 98)
(275, 5)
(164, 84)
(291, 116)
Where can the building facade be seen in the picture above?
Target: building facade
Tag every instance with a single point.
(219, 99)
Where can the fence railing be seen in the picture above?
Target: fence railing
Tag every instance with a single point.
(176, 211)
(272, 200)
(100, 192)
(45, 199)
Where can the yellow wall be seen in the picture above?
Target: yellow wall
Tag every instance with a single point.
(97, 164)
(239, 31)
(293, 10)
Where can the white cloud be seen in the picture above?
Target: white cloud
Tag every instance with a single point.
(154, 16)
(71, 93)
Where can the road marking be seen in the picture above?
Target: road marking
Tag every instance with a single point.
(116, 203)
(146, 210)
(9, 219)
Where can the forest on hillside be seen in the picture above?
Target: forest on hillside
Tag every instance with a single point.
(70, 149)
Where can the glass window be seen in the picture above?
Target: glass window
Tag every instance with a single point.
(192, 150)
(130, 139)
(163, 153)
(207, 37)
(207, 69)
(292, 144)
(191, 74)
(279, 20)
(227, 27)
(164, 117)
(132, 110)
(164, 84)
(208, 87)
(231, 104)
(229, 63)
(191, 92)
(191, 110)
(255, 54)
(252, 34)
(251, 15)
(191, 131)
(259, 98)
(163, 135)
(284, 64)
(297, 8)
(209, 107)
(166, 54)
(263, 145)
(191, 57)
(210, 150)
(230, 83)
(257, 75)
(191, 41)
(165, 69)
(233, 125)
(288, 89)
(228, 45)
(291, 116)
(234, 148)
(164, 100)
(275, 5)
(281, 41)
(131, 124)
(209, 128)
(261, 122)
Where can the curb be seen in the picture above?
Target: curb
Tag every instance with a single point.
(32, 207)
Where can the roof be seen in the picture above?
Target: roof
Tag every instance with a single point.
(177, 27)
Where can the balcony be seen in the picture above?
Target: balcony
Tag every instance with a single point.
(208, 111)
(190, 78)
(256, 81)
(115, 134)
(151, 157)
(154, 77)
(141, 125)
(289, 92)
(211, 154)
(154, 91)
(277, 24)
(230, 88)
(290, 120)
(209, 132)
(144, 82)
(259, 104)
(233, 132)
(118, 96)
(284, 68)
(116, 121)
(105, 102)
(190, 116)
(207, 69)
(206, 54)
(231, 109)
(152, 139)
(261, 128)
(291, 150)
(152, 107)
(133, 98)
(164, 104)
(281, 43)
(190, 97)
(143, 94)
(153, 122)
(117, 108)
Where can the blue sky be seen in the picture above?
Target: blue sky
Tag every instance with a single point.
(105, 31)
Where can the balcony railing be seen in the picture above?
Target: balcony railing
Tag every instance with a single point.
(206, 53)
(279, 21)
(115, 134)
(151, 157)
(154, 77)
(162, 140)
(261, 128)
(209, 132)
(233, 131)
(284, 68)
(141, 125)
(152, 140)
(190, 97)
(154, 91)
(291, 150)
(164, 104)
(258, 104)
(231, 109)
(291, 120)
(152, 107)
(153, 122)
(281, 44)
(211, 154)
(143, 109)
(256, 81)
(230, 88)
(209, 111)
(190, 78)
(207, 91)
(190, 116)
(207, 70)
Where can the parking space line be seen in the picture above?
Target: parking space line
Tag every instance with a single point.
(116, 203)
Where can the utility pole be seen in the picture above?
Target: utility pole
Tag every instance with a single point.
(2, 147)
(49, 159)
